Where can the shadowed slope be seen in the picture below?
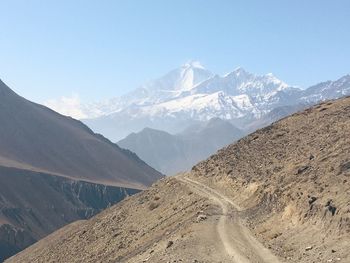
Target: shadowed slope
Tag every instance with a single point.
(36, 138)
(34, 204)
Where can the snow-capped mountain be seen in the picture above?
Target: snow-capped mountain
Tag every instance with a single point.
(170, 86)
(327, 90)
(192, 93)
(193, 90)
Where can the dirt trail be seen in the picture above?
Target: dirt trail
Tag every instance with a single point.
(239, 243)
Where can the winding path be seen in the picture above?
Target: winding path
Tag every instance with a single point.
(239, 243)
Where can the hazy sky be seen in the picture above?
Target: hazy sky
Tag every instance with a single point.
(100, 49)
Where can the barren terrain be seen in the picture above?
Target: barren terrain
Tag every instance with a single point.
(281, 194)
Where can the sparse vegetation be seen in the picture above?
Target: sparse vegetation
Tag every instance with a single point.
(153, 205)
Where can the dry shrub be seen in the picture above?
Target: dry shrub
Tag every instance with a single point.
(153, 206)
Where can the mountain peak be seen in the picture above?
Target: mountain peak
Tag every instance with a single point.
(193, 64)
(239, 69)
(148, 130)
(346, 77)
(4, 89)
(238, 72)
(3, 86)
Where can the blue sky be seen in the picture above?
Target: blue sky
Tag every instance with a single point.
(100, 49)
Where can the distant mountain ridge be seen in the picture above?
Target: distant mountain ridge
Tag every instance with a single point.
(172, 154)
(327, 90)
(192, 93)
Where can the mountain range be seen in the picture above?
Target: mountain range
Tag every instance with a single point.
(160, 114)
(192, 93)
(54, 170)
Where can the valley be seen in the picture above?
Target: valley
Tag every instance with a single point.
(283, 191)
(174, 131)
(172, 154)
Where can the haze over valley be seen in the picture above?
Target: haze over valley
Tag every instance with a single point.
(174, 131)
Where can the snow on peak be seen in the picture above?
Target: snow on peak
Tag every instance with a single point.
(198, 93)
(193, 64)
(239, 70)
(190, 94)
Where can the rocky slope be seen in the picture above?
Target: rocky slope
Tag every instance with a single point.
(292, 178)
(281, 194)
(275, 115)
(171, 154)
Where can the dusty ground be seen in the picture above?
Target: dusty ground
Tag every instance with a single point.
(197, 225)
(292, 179)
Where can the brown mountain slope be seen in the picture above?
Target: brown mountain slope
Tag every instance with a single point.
(34, 204)
(281, 194)
(46, 162)
(293, 179)
(36, 138)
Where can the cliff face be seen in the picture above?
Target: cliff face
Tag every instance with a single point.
(33, 205)
(13, 240)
